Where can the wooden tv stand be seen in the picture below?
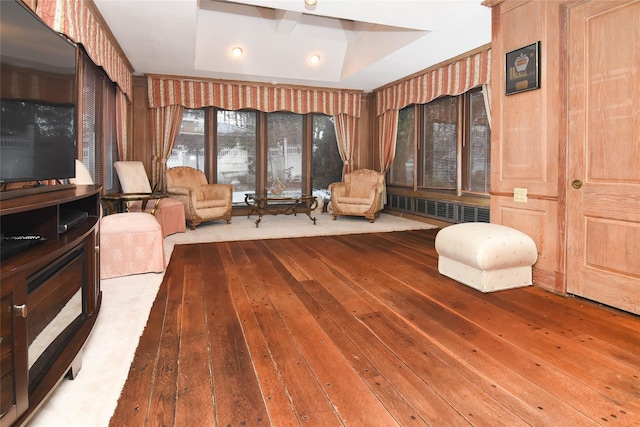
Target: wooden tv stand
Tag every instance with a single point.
(50, 297)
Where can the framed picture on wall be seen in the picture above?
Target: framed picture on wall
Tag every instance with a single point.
(523, 69)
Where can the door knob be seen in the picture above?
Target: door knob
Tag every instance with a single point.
(576, 184)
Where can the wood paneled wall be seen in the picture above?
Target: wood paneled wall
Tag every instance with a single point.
(141, 143)
(528, 148)
(365, 150)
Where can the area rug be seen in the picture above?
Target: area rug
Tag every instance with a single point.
(90, 399)
(283, 226)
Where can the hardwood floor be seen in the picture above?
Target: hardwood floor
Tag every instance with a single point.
(361, 330)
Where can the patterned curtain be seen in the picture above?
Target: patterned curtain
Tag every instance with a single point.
(165, 122)
(346, 135)
(343, 105)
(388, 130)
(76, 20)
(236, 96)
(451, 79)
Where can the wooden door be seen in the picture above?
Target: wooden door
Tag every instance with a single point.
(603, 194)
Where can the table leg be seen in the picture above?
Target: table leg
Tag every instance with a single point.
(310, 208)
(311, 218)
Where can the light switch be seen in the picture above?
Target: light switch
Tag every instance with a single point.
(520, 195)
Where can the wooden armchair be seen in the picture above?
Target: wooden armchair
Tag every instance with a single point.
(359, 195)
(202, 201)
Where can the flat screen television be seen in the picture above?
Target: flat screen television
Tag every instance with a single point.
(37, 98)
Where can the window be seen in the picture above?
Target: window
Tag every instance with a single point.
(98, 136)
(236, 148)
(455, 143)
(110, 138)
(260, 152)
(401, 172)
(90, 120)
(284, 153)
(440, 120)
(189, 147)
(326, 164)
(477, 150)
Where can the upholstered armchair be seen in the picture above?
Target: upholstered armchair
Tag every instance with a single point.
(359, 195)
(202, 201)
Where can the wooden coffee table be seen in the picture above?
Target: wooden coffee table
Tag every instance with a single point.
(276, 205)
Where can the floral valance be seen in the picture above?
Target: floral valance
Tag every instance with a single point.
(451, 79)
(76, 20)
(191, 93)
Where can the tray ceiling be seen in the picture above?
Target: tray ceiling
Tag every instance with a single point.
(362, 44)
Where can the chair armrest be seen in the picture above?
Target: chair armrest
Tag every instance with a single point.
(338, 189)
(377, 190)
(179, 191)
(217, 191)
(186, 195)
(380, 195)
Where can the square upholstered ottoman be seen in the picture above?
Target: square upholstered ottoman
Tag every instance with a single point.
(487, 257)
(130, 243)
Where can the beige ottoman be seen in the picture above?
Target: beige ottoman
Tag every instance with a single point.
(487, 257)
(130, 243)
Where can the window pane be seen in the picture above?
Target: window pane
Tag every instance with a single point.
(440, 131)
(401, 172)
(90, 152)
(326, 164)
(284, 153)
(478, 168)
(110, 140)
(237, 151)
(189, 147)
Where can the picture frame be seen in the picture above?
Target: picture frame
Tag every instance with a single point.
(522, 71)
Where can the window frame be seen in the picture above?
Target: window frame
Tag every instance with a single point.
(467, 146)
(463, 149)
(104, 151)
(210, 141)
(421, 139)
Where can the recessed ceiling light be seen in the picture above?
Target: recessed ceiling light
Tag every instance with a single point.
(314, 59)
(236, 51)
(310, 2)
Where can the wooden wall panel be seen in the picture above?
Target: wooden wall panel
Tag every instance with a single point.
(538, 219)
(141, 148)
(365, 146)
(527, 143)
(528, 148)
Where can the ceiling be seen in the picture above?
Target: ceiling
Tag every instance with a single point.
(362, 44)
